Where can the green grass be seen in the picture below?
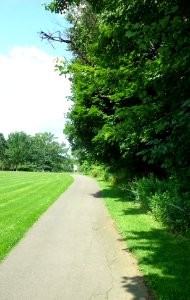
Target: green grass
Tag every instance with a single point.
(163, 258)
(23, 198)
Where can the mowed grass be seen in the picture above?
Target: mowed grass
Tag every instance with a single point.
(24, 197)
(163, 258)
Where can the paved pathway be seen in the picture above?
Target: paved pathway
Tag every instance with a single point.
(72, 253)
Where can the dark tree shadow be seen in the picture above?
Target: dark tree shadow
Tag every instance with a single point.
(97, 195)
(115, 192)
(134, 286)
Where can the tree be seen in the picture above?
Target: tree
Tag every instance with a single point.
(47, 154)
(130, 82)
(16, 152)
(34, 153)
(2, 149)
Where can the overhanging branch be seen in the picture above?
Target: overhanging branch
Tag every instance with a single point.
(57, 37)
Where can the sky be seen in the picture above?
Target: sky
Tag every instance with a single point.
(33, 96)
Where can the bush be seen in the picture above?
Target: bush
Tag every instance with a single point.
(165, 200)
(85, 167)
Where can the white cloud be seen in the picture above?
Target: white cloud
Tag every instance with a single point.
(32, 94)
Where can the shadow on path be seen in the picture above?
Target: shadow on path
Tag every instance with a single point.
(131, 285)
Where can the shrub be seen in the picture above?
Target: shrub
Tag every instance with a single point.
(165, 200)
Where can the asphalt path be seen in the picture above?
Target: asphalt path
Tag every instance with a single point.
(73, 252)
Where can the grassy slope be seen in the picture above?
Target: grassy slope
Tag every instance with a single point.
(23, 198)
(163, 257)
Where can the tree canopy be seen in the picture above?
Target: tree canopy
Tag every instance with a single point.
(34, 153)
(130, 82)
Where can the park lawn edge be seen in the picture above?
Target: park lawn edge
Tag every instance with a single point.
(163, 257)
(19, 232)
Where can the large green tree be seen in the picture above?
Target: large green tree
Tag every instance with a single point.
(46, 153)
(16, 152)
(130, 82)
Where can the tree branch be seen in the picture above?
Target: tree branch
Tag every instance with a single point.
(57, 37)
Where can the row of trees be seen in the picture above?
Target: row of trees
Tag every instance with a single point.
(130, 82)
(33, 153)
(130, 79)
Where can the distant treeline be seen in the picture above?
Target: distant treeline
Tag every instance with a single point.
(41, 152)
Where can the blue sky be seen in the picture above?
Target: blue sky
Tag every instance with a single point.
(20, 22)
(32, 95)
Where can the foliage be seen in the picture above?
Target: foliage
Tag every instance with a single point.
(47, 154)
(34, 153)
(130, 90)
(16, 152)
(2, 149)
(130, 95)
(167, 200)
(24, 197)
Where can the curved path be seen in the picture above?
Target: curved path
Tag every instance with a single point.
(72, 253)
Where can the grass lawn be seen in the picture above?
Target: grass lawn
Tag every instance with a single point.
(23, 198)
(164, 258)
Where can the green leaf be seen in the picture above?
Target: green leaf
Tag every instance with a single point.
(130, 33)
(186, 103)
(164, 21)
